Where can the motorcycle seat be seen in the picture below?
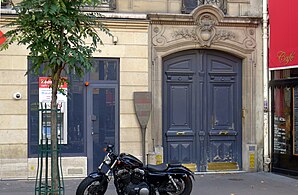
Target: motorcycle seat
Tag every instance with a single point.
(174, 165)
(157, 168)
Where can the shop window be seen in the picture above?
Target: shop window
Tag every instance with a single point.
(285, 121)
(282, 120)
(6, 4)
(45, 122)
(104, 70)
(105, 5)
(295, 131)
(72, 115)
(70, 118)
(189, 5)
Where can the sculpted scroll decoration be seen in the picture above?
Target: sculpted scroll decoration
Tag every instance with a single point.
(205, 33)
(159, 38)
(250, 42)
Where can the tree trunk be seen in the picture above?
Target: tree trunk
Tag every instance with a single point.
(54, 140)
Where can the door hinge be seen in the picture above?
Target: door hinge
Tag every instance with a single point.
(243, 113)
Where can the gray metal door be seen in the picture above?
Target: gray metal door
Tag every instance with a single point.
(202, 108)
(102, 121)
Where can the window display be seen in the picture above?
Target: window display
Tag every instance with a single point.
(295, 132)
(285, 121)
(282, 120)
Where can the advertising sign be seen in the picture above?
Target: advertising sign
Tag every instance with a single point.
(283, 50)
(45, 97)
(45, 90)
(2, 38)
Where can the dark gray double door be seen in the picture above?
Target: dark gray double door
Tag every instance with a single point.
(102, 122)
(102, 109)
(202, 108)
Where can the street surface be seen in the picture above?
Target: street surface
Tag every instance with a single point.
(261, 183)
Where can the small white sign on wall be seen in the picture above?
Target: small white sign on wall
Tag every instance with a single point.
(45, 97)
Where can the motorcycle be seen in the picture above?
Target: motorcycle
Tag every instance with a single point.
(132, 177)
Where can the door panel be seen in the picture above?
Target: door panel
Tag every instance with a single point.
(221, 102)
(179, 129)
(222, 151)
(224, 100)
(180, 151)
(180, 106)
(202, 108)
(180, 134)
(102, 122)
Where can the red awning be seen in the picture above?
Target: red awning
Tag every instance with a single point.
(283, 19)
(2, 39)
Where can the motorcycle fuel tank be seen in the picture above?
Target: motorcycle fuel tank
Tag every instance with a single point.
(130, 160)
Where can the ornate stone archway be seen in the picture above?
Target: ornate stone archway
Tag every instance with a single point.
(208, 28)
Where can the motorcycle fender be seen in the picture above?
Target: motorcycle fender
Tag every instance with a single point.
(180, 170)
(97, 175)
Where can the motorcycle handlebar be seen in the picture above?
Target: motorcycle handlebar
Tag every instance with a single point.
(109, 148)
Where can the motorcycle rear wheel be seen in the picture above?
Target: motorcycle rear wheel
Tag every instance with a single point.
(90, 186)
(184, 186)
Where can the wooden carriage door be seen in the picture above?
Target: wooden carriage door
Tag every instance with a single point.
(202, 109)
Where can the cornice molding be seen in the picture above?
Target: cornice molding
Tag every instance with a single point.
(131, 24)
(190, 19)
(205, 27)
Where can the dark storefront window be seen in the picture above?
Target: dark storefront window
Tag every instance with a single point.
(104, 70)
(285, 121)
(75, 116)
(189, 5)
(74, 123)
(106, 5)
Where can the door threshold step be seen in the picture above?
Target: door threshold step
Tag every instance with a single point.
(217, 172)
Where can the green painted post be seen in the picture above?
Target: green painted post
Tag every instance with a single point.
(43, 183)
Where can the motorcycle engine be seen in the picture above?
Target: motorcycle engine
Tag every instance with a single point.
(132, 183)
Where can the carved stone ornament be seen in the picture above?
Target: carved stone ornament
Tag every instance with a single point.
(206, 29)
(159, 39)
(222, 35)
(205, 33)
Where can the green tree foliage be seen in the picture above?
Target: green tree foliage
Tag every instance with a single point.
(55, 32)
(60, 36)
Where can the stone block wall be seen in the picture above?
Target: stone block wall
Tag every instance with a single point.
(132, 50)
(244, 7)
(234, 7)
(13, 112)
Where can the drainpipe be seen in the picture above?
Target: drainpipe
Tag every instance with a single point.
(266, 89)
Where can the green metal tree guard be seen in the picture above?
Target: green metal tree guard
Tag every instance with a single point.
(44, 183)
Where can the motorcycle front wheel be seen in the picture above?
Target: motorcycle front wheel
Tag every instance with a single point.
(92, 186)
(184, 185)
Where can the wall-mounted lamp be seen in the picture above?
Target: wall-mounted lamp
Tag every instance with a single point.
(115, 40)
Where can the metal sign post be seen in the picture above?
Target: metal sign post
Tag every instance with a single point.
(142, 102)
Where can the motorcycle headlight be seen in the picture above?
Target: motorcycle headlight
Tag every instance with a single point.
(107, 160)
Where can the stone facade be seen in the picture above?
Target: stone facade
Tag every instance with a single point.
(143, 40)
(132, 50)
(208, 28)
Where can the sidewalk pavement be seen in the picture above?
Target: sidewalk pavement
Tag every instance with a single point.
(261, 183)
